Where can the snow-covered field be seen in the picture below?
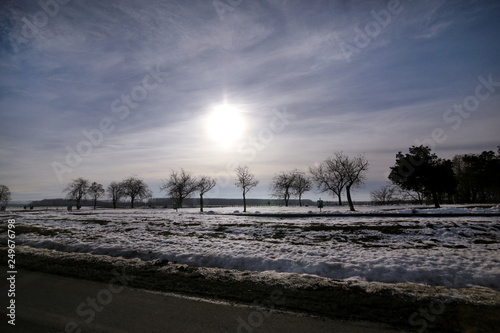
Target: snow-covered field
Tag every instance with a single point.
(450, 251)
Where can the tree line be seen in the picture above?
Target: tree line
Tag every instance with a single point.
(418, 175)
(179, 186)
(421, 175)
(5, 196)
(334, 174)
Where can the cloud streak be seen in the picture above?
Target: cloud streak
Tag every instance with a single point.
(260, 57)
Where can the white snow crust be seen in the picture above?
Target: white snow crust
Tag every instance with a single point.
(448, 251)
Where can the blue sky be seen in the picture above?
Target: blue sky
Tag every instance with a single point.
(107, 89)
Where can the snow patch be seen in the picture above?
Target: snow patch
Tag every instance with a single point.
(448, 251)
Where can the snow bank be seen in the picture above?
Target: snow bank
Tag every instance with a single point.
(435, 251)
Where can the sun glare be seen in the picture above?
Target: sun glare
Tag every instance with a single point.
(225, 124)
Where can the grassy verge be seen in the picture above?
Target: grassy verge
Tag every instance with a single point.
(399, 305)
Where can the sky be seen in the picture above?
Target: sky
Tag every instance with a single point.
(108, 89)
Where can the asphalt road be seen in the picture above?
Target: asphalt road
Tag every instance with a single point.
(49, 304)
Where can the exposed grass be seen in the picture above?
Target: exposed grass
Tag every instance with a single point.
(371, 238)
(479, 206)
(425, 246)
(241, 225)
(156, 223)
(215, 235)
(221, 228)
(323, 238)
(399, 208)
(279, 234)
(386, 229)
(96, 221)
(286, 226)
(484, 241)
(454, 246)
(165, 233)
(9, 216)
(195, 224)
(22, 229)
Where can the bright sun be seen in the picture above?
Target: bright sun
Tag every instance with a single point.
(225, 124)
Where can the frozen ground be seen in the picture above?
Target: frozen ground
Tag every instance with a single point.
(450, 251)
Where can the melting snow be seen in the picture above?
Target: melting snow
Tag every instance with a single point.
(450, 251)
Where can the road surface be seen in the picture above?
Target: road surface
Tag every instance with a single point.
(53, 304)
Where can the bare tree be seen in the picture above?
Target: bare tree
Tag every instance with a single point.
(95, 191)
(352, 170)
(282, 185)
(384, 195)
(409, 195)
(77, 190)
(338, 172)
(246, 181)
(5, 195)
(135, 188)
(301, 185)
(115, 192)
(204, 185)
(328, 176)
(179, 186)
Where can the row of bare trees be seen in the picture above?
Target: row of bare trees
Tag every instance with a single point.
(336, 174)
(179, 186)
(288, 183)
(132, 187)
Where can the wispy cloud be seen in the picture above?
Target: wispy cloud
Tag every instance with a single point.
(261, 56)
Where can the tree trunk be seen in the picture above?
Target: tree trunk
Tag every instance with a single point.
(114, 204)
(201, 202)
(340, 199)
(435, 199)
(95, 202)
(348, 192)
(244, 203)
(300, 200)
(132, 202)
